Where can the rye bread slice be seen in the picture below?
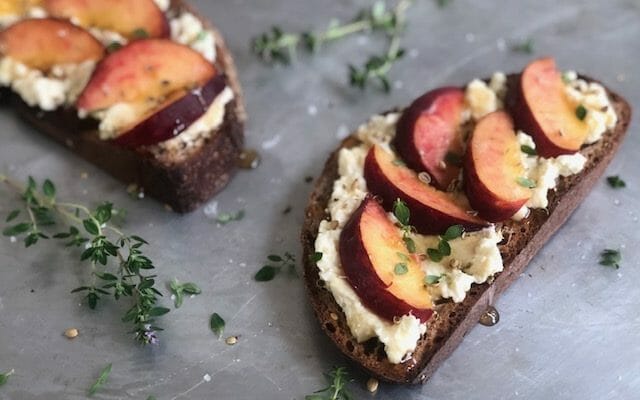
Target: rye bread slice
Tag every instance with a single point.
(183, 180)
(522, 240)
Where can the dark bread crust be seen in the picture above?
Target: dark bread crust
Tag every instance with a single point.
(184, 183)
(444, 332)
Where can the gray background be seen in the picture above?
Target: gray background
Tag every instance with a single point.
(569, 327)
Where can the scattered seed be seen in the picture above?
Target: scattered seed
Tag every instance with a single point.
(334, 316)
(424, 177)
(231, 340)
(442, 164)
(71, 333)
(372, 385)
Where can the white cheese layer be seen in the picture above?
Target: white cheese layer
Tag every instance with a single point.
(544, 172)
(600, 114)
(189, 30)
(477, 254)
(482, 99)
(163, 4)
(61, 86)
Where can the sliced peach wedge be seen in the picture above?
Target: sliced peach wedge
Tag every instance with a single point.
(432, 210)
(130, 18)
(493, 170)
(427, 137)
(542, 109)
(170, 119)
(43, 43)
(147, 70)
(388, 280)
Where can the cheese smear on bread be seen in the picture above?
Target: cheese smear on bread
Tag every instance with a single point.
(475, 257)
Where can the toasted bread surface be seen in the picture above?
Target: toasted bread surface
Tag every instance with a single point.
(522, 240)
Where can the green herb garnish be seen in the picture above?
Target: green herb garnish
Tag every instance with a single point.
(524, 47)
(581, 112)
(337, 390)
(118, 266)
(402, 214)
(433, 279)
(180, 289)
(452, 158)
(315, 257)
(217, 324)
(615, 182)
(225, 218)
(610, 258)
(526, 182)
(526, 149)
(277, 264)
(443, 3)
(104, 375)
(444, 248)
(277, 46)
(5, 377)
(140, 33)
(114, 46)
(400, 269)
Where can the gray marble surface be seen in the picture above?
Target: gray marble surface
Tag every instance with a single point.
(569, 327)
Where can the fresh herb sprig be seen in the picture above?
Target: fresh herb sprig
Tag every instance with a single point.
(610, 258)
(118, 265)
(278, 46)
(337, 390)
(526, 46)
(275, 265)
(436, 254)
(102, 379)
(616, 182)
(403, 214)
(179, 290)
(4, 377)
(225, 218)
(216, 323)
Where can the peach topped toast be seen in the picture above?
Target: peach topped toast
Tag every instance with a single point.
(440, 239)
(165, 86)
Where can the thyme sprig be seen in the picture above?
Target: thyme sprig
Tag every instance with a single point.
(118, 265)
(436, 254)
(279, 47)
(403, 214)
(337, 390)
(610, 258)
(4, 377)
(276, 264)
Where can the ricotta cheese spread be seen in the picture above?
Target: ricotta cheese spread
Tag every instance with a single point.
(477, 255)
(60, 86)
(189, 30)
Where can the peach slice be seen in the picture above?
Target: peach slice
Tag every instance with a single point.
(43, 43)
(432, 210)
(493, 169)
(389, 281)
(427, 136)
(145, 70)
(127, 17)
(174, 117)
(543, 110)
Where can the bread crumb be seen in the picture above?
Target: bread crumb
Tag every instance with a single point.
(71, 333)
(372, 385)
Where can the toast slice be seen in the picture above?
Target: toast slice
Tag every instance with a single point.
(182, 179)
(522, 240)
